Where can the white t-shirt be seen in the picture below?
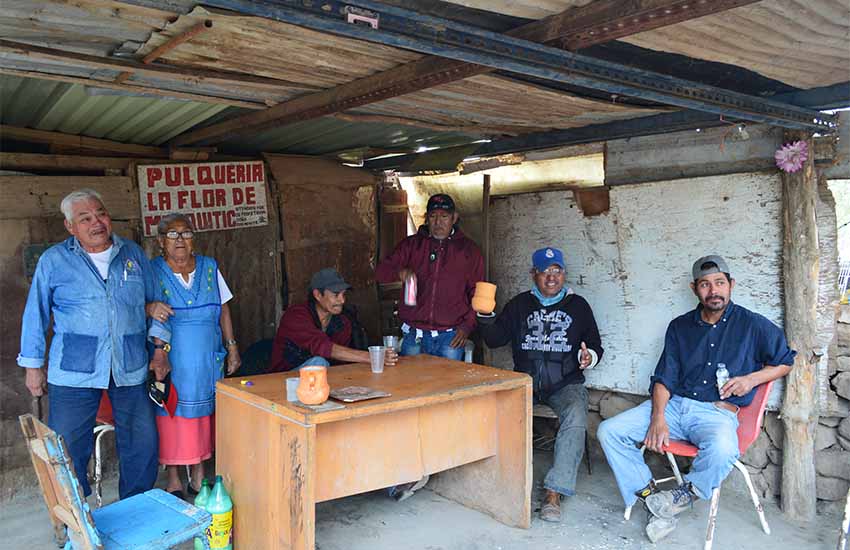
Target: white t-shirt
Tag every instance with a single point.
(223, 290)
(101, 261)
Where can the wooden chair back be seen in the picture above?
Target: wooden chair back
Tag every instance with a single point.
(62, 492)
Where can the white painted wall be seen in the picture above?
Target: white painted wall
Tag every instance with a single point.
(633, 263)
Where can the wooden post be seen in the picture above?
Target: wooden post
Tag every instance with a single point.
(485, 221)
(801, 264)
(486, 353)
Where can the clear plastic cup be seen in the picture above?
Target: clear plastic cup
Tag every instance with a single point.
(376, 358)
(291, 388)
(391, 342)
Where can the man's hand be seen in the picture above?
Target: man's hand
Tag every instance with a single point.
(405, 273)
(390, 357)
(657, 435)
(584, 357)
(460, 338)
(234, 360)
(159, 311)
(740, 385)
(36, 382)
(160, 365)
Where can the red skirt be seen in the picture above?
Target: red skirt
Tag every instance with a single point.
(185, 440)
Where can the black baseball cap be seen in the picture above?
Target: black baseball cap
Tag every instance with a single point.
(440, 201)
(328, 279)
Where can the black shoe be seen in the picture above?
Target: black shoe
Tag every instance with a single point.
(178, 493)
(191, 490)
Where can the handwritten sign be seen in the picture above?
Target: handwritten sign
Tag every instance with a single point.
(213, 195)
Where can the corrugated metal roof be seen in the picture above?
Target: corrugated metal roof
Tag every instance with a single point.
(78, 110)
(484, 104)
(329, 135)
(803, 43)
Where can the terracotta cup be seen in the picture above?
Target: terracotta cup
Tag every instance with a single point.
(484, 299)
(313, 388)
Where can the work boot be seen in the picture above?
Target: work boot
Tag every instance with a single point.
(551, 509)
(658, 528)
(667, 504)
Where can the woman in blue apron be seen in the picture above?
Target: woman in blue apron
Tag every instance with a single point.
(202, 349)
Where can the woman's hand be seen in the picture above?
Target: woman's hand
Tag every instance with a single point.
(234, 361)
(159, 311)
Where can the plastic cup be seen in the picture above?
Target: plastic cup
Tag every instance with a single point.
(391, 342)
(376, 358)
(291, 388)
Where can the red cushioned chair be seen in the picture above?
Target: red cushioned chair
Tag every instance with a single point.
(749, 427)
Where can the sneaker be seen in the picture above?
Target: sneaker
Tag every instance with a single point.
(658, 528)
(405, 491)
(650, 489)
(668, 504)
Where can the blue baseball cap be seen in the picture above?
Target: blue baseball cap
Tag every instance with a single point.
(546, 257)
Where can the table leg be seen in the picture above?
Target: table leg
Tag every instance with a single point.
(500, 485)
(267, 464)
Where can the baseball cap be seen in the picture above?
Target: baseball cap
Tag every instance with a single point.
(440, 201)
(545, 257)
(328, 279)
(698, 272)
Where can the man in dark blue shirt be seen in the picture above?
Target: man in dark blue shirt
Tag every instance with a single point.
(714, 357)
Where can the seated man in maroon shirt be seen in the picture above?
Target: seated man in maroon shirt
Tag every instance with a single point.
(317, 332)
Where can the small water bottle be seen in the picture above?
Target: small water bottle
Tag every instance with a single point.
(410, 290)
(722, 376)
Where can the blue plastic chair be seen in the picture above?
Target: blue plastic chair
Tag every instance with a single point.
(154, 520)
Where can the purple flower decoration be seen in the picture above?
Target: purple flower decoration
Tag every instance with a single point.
(791, 156)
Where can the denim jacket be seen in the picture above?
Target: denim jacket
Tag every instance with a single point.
(99, 327)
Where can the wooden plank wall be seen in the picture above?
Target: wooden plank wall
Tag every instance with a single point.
(329, 219)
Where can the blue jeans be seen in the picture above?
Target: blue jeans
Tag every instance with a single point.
(570, 404)
(315, 361)
(432, 345)
(712, 429)
(72, 415)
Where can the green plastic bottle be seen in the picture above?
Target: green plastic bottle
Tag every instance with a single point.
(221, 508)
(201, 500)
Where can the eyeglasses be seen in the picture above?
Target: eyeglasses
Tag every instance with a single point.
(551, 271)
(173, 235)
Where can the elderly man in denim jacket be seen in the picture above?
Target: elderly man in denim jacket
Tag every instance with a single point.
(96, 285)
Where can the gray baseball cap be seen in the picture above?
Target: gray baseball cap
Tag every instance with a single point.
(328, 279)
(698, 272)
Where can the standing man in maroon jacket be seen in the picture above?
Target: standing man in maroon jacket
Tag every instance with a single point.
(446, 266)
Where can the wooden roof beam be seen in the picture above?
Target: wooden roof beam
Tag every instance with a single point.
(594, 23)
(73, 142)
(185, 75)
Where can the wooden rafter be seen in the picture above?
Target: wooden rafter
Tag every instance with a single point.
(184, 75)
(80, 142)
(132, 88)
(594, 23)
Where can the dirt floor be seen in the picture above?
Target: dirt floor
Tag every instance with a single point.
(592, 520)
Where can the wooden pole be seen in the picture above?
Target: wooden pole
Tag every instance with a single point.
(801, 264)
(486, 353)
(485, 221)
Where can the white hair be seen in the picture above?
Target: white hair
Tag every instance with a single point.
(168, 219)
(67, 204)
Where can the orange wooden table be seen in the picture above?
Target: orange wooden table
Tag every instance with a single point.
(469, 422)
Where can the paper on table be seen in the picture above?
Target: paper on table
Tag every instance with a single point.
(350, 394)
